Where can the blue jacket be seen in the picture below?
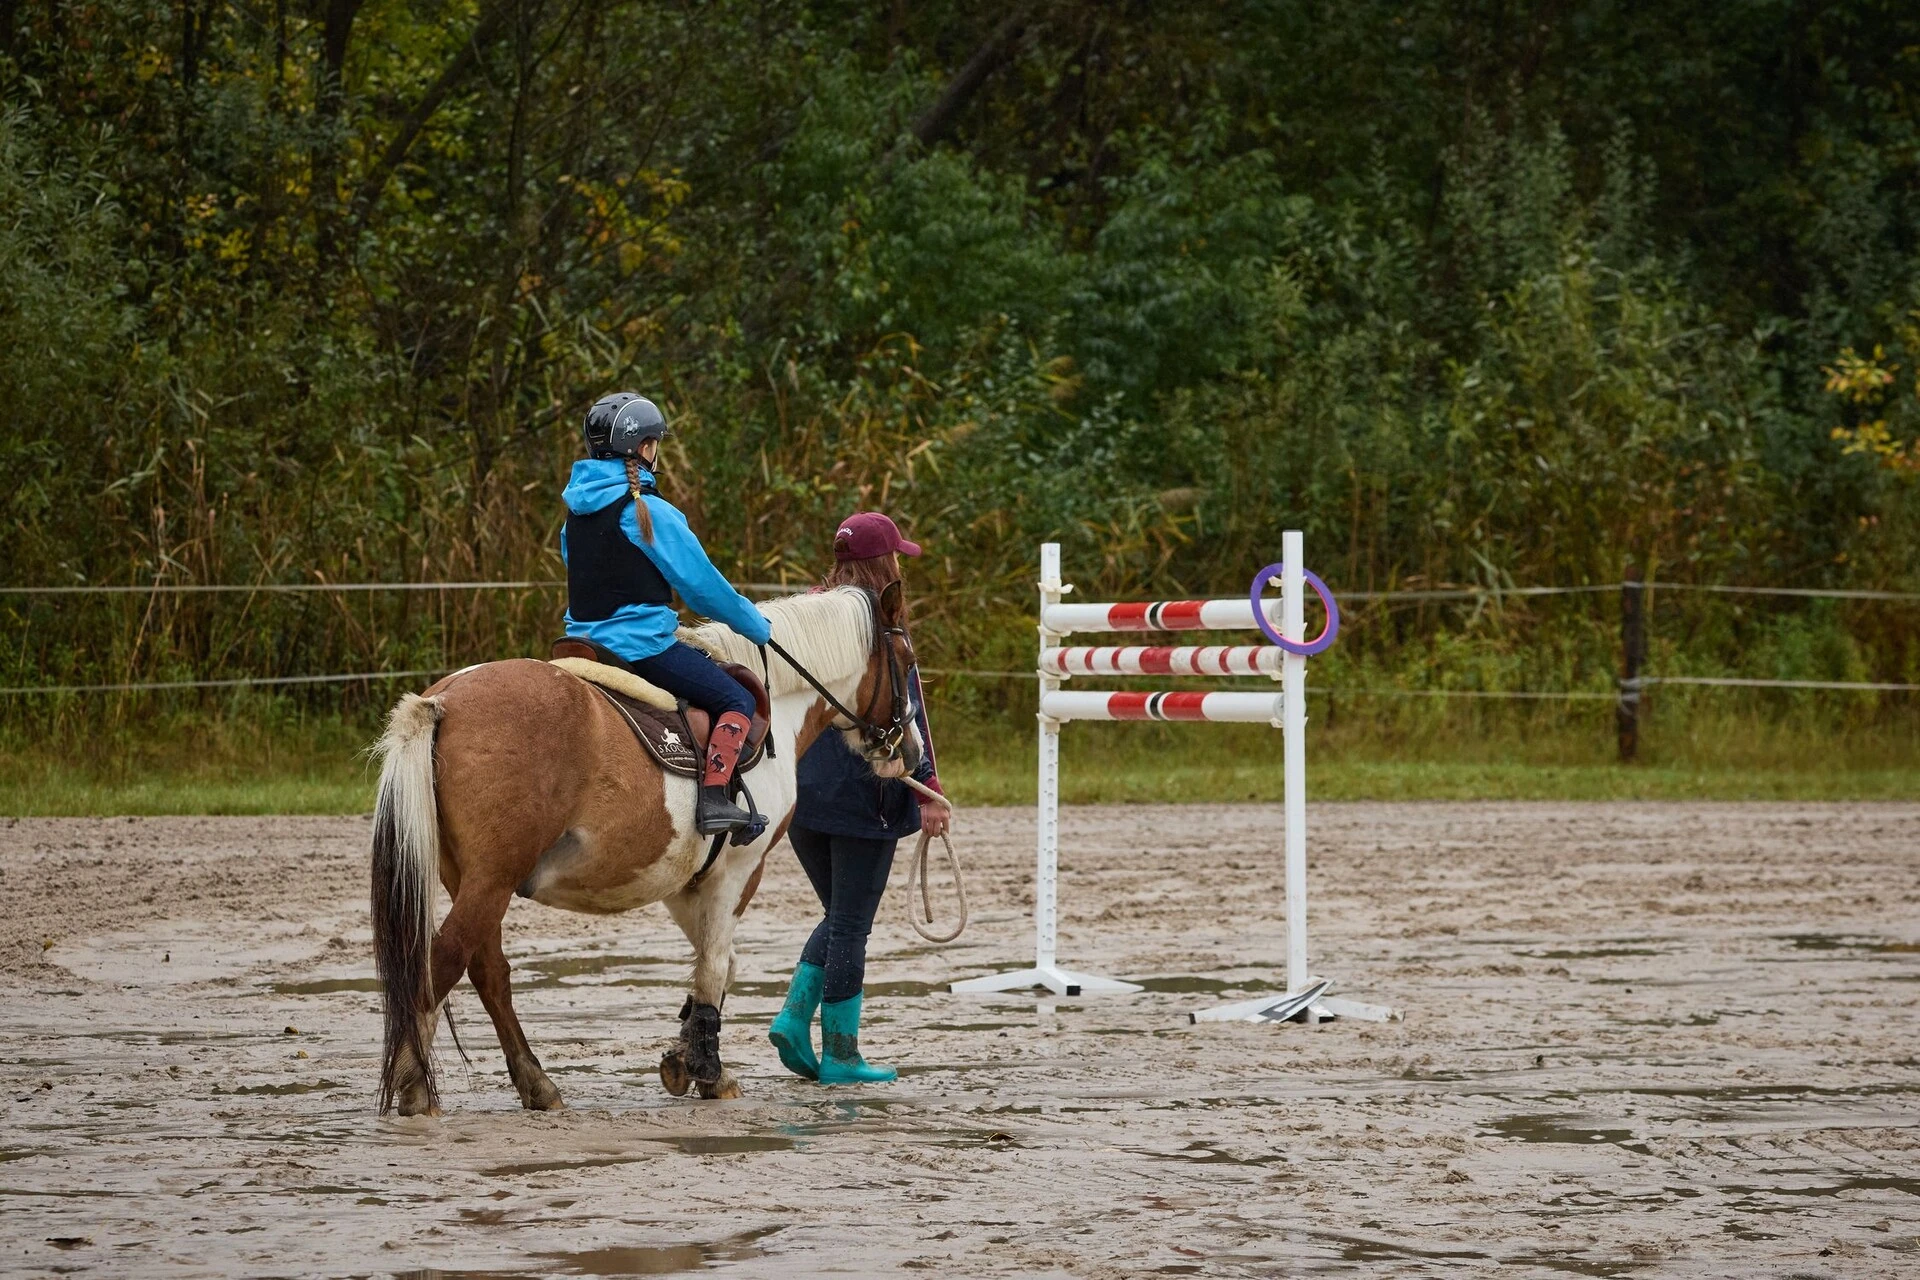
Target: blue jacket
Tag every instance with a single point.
(639, 631)
(839, 796)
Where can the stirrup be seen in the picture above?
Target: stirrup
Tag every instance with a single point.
(715, 814)
(756, 820)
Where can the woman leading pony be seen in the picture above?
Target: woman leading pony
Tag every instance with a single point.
(845, 828)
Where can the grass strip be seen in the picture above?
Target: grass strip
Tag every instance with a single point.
(239, 769)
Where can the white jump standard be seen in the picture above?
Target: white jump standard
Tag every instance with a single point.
(1286, 662)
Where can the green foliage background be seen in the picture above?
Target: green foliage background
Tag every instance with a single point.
(1479, 293)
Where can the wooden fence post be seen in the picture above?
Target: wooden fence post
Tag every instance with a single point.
(1633, 648)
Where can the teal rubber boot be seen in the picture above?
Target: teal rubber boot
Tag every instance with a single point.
(840, 1060)
(792, 1029)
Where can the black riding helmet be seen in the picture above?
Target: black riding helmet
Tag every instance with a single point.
(619, 424)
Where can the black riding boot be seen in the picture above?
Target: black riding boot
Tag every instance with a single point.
(715, 813)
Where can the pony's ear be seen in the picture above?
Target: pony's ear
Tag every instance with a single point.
(893, 603)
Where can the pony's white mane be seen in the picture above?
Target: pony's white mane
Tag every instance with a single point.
(830, 633)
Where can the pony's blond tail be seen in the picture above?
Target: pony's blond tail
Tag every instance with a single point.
(406, 858)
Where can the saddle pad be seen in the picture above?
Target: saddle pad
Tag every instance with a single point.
(662, 733)
(622, 682)
(658, 720)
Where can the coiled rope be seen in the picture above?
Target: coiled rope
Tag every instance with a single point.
(917, 875)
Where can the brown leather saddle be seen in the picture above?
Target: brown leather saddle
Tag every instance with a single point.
(676, 739)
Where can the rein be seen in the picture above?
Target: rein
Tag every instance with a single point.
(884, 741)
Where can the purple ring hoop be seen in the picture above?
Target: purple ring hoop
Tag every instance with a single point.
(1327, 634)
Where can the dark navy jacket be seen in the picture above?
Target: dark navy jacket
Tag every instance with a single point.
(839, 796)
(638, 631)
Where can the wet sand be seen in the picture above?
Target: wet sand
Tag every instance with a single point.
(1645, 1040)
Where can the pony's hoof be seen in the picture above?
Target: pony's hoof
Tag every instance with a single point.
(414, 1102)
(542, 1097)
(725, 1088)
(674, 1076)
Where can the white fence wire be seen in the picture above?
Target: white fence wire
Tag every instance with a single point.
(1571, 694)
(235, 683)
(789, 588)
(784, 588)
(287, 588)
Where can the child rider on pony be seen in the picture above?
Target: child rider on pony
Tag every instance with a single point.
(627, 550)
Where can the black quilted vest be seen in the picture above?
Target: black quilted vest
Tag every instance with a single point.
(605, 570)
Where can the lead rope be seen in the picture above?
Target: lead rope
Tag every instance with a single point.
(917, 874)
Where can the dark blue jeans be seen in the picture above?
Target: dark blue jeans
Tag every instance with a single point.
(849, 875)
(685, 672)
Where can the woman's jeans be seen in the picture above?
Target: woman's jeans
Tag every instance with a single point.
(849, 873)
(685, 672)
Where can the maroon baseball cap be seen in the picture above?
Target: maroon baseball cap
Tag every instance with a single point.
(866, 534)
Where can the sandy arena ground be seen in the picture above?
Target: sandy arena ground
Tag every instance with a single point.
(1641, 1040)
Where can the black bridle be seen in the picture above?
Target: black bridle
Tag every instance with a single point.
(882, 742)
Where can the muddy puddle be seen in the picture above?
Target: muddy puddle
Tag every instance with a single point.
(1604, 1070)
(632, 1260)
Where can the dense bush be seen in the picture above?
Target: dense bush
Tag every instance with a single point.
(1472, 294)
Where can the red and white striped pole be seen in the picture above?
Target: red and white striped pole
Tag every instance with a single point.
(1160, 615)
(1163, 660)
(1220, 708)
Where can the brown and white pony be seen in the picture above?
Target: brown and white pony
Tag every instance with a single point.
(516, 777)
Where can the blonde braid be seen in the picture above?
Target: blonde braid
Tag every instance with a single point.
(641, 515)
